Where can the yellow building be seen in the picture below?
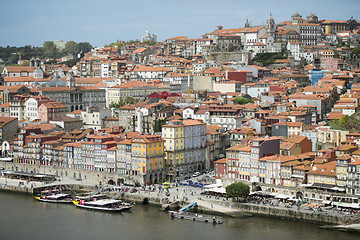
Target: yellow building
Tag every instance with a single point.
(335, 26)
(185, 147)
(148, 152)
(323, 176)
(289, 149)
(342, 170)
(287, 172)
(174, 134)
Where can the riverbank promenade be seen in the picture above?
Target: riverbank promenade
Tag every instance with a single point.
(182, 194)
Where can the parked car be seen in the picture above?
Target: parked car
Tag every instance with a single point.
(196, 174)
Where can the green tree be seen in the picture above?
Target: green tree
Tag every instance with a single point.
(50, 49)
(84, 47)
(237, 190)
(157, 125)
(118, 104)
(336, 55)
(344, 121)
(148, 42)
(242, 100)
(70, 63)
(268, 58)
(71, 47)
(118, 45)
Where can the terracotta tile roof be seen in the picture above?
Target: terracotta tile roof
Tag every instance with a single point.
(139, 50)
(150, 69)
(133, 84)
(12, 89)
(53, 105)
(326, 169)
(190, 122)
(5, 120)
(128, 107)
(221, 161)
(25, 79)
(20, 68)
(239, 147)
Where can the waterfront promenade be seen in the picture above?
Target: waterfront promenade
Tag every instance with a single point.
(182, 195)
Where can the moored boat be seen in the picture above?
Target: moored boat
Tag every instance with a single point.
(55, 198)
(109, 205)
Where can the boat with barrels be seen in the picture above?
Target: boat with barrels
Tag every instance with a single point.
(109, 205)
(54, 196)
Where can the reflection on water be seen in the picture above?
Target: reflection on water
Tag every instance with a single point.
(22, 217)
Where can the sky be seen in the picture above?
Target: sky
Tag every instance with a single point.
(100, 22)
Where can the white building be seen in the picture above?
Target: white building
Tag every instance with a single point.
(32, 105)
(93, 117)
(144, 73)
(296, 49)
(105, 67)
(149, 37)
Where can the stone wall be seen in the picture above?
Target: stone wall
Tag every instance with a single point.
(296, 215)
(311, 194)
(239, 57)
(83, 176)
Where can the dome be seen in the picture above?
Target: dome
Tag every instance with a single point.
(271, 18)
(55, 82)
(296, 15)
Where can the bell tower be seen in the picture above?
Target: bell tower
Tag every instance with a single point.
(270, 24)
(70, 80)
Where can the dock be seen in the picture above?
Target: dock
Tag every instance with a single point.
(184, 214)
(196, 217)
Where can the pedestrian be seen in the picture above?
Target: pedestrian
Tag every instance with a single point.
(212, 206)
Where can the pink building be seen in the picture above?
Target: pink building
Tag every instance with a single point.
(220, 168)
(52, 111)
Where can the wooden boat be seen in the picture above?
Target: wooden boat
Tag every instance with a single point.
(108, 205)
(55, 198)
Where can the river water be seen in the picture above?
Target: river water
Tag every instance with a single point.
(23, 217)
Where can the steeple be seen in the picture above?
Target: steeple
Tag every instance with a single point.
(247, 24)
(270, 24)
(70, 80)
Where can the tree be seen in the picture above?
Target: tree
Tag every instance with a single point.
(149, 42)
(70, 63)
(344, 121)
(50, 49)
(118, 45)
(242, 100)
(237, 190)
(84, 47)
(71, 47)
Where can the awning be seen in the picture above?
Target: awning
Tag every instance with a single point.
(217, 190)
(338, 189)
(216, 185)
(306, 185)
(347, 205)
(326, 202)
(6, 159)
(260, 193)
(322, 185)
(282, 196)
(297, 176)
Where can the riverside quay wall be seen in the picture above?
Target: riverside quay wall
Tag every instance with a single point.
(84, 176)
(295, 215)
(306, 194)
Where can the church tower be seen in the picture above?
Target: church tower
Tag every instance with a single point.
(247, 24)
(270, 24)
(70, 80)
